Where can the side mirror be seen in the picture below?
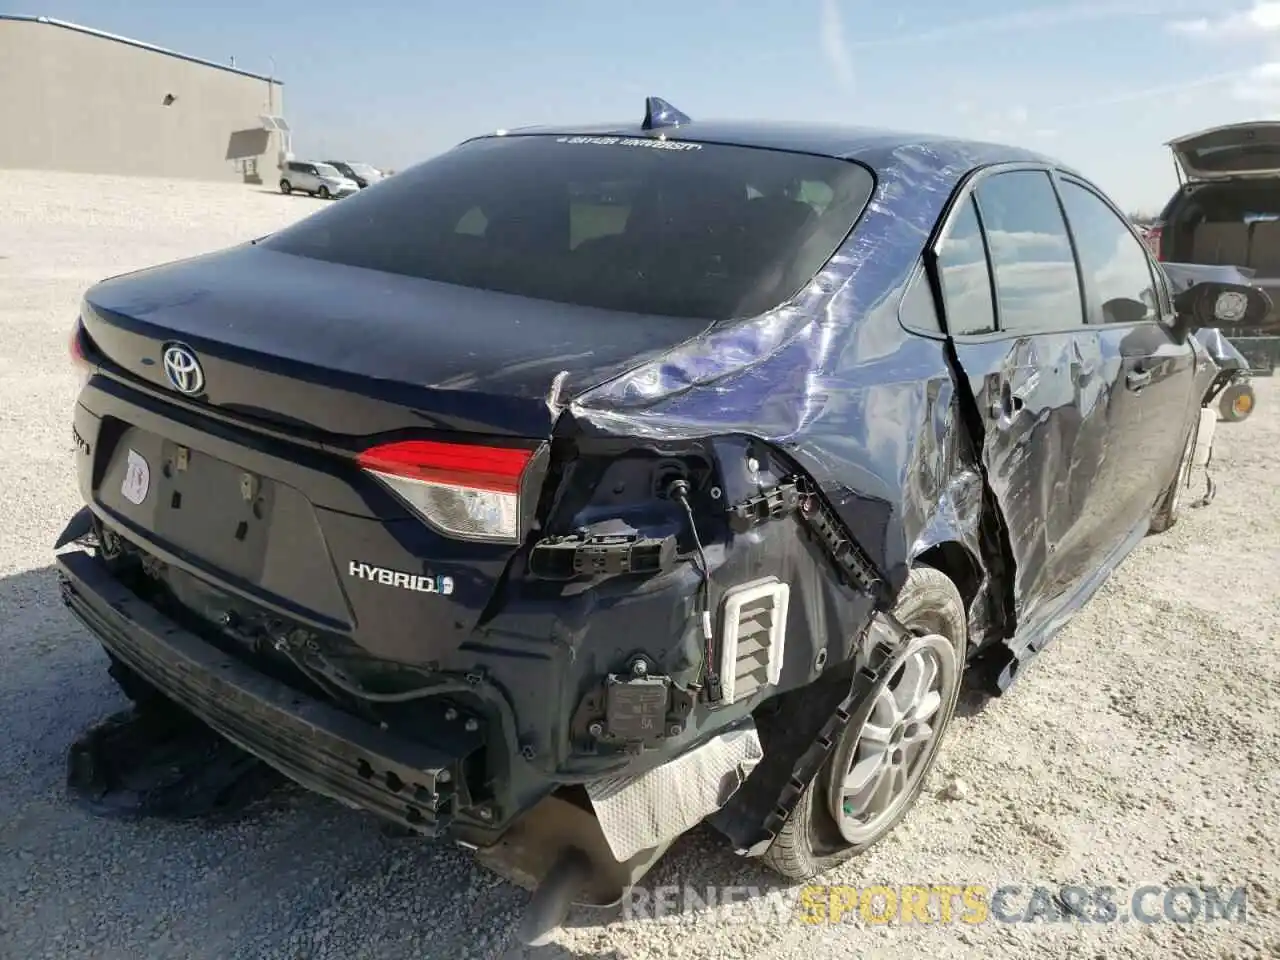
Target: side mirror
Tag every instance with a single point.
(1225, 305)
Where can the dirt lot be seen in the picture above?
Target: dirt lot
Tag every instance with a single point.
(1142, 748)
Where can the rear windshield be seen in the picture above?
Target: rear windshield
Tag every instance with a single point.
(695, 230)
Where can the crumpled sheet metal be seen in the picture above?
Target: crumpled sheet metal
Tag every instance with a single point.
(809, 350)
(1221, 351)
(641, 812)
(831, 378)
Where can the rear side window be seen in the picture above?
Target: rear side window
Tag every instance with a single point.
(966, 278)
(1113, 261)
(1037, 285)
(698, 230)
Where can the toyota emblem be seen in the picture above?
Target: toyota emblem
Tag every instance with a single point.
(183, 369)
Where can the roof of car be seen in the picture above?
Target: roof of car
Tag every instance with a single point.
(872, 145)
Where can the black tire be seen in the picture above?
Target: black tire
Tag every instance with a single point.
(286, 187)
(1169, 508)
(810, 842)
(1237, 402)
(323, 193)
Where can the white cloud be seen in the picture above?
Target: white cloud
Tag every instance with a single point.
(1018, 115)
(1259, 85)
(1037, 18)
(1166, 90)
(834, 47)
(1254, 23)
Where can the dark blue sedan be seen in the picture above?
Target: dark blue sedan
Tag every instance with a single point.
(579, 485)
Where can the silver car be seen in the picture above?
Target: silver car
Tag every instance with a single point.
(317, 179)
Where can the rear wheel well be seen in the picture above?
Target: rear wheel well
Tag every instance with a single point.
(956, 562)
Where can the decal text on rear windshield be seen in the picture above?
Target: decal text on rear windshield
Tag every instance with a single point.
(652, 144)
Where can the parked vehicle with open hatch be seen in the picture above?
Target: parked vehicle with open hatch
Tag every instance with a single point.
(1226, 212)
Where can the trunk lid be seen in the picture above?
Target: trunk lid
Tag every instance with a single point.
(1233, 150)
(274, 485)
(327, 349)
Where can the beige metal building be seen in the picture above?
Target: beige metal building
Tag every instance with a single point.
(77, 99)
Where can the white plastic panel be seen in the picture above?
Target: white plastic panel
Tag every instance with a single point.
(752, 637)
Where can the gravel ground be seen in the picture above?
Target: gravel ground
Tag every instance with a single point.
(1141, 749)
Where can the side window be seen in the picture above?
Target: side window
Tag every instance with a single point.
(1037, 284)
(965, 276)
(473, 223)
(817, 193)
(918, 311)
(598, 210)
(1112, 259)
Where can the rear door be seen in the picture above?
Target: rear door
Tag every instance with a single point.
(1131, 311)
(1014, 310)
(1233, 150)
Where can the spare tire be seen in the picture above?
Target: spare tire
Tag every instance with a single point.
(1237, 402)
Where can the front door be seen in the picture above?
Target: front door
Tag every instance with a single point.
(1153, 395)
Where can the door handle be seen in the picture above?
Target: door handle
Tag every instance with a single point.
(1137, 379)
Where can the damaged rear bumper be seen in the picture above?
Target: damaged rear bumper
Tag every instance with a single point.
(621, 828)
(320, 747)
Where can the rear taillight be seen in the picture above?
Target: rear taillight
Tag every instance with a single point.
(75, 347)
(1153, 237)
(464, 490)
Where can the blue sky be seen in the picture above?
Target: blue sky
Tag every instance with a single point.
(1099, 85)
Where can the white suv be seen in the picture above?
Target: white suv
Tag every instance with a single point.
(317, 179)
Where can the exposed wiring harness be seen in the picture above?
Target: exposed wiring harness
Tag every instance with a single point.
(329, 677)
(679, 493)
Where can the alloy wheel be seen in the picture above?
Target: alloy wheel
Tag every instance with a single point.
(880, 762)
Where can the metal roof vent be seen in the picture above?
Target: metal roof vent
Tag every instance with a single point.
(752, 637)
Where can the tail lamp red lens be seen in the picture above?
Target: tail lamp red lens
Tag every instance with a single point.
(467, 491)
(75, 346)
(1154, 241)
